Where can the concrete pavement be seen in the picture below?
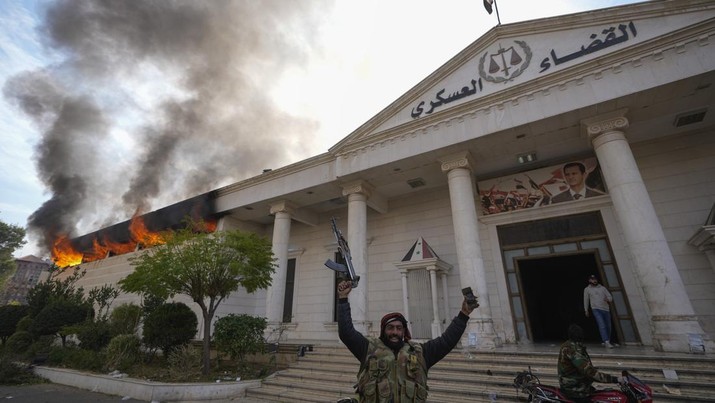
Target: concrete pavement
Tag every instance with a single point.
(55, 393)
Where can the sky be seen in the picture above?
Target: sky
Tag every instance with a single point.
(110, 108)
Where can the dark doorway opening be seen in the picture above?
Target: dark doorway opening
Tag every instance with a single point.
(552, 289)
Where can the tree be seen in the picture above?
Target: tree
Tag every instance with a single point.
(10, 315)
(11, 239)
(56, 317)
(53, 290)
(205, 267)
(103, 298)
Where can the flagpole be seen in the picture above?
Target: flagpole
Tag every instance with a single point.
(496, 8)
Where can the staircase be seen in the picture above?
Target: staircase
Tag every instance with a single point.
(328, 374)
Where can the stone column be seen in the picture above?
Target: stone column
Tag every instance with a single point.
(436, 325)
(275, 295)
(358, 193)
(469, 252)
(405, 297)
(672, 315)
(445, 305)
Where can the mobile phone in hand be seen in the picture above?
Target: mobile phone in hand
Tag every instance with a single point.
(471, 298)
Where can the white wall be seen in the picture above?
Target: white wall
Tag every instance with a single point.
(679, 173)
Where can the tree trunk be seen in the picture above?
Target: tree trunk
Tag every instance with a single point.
(207, 342)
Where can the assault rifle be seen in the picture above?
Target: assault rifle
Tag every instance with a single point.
(346, 270)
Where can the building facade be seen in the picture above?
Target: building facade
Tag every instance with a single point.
(29, 271)
(544, 152)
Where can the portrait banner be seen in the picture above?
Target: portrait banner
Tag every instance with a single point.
(572, 181)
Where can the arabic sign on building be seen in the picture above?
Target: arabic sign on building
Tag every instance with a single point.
(572, 181)
(597, 42)
(506, 60)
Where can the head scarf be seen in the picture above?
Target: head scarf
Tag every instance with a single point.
(391, 317)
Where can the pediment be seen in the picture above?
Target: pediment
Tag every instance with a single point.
(512, 57)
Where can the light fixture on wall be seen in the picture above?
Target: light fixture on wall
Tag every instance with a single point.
(416, 182)
(526, 158)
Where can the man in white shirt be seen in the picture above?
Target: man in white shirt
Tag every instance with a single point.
(599, 300)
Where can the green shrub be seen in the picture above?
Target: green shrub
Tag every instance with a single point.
(10, 315)
(40, 347)
(125, 319)
(185, 362)
(93, 335)
(19, 342)
(123, 351)
(76, 358)
(169, 326)
(24, 324)
(238, 335)
(57, 315)
(12, 373)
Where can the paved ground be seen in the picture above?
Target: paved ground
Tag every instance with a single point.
(54, 393)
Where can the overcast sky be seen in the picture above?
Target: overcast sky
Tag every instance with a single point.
(110, 108)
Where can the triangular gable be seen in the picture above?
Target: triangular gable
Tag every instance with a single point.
(420, 250)
(514, 54)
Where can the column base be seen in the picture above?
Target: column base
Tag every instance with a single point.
(364, 327)
(680, 334)
(480, 335)
(436, 329)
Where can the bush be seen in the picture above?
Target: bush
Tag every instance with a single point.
(185, 362)
(58, 315)
(238, 335)
(125, 319)
(123, 351)
(76, 358)
(40, 347)
(93, 335)
(19, 342)
(12, 373)
(169, 326)
(10, 315)
(24, 324)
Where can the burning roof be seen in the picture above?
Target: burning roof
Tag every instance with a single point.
(139, 232)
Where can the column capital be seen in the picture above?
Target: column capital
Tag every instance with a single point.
(283, 206)
(359, 186)
(458, 160)
(597, 125)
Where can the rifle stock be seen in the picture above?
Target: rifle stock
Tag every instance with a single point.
(346, 269)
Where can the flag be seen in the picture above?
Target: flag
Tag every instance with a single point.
(488, 5)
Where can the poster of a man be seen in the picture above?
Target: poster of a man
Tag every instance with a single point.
(574, 180)
(575, 176)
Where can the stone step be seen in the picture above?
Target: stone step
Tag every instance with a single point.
(328, 373)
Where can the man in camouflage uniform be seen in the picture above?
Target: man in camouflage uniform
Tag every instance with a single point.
(393, 368)
(576, 372)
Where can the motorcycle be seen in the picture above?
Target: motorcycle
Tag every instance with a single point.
(632, 390)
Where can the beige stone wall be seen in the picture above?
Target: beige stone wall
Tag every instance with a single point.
(679, 173)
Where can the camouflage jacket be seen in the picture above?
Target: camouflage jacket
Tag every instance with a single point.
(577, 373)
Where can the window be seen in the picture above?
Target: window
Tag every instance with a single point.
(288, 298)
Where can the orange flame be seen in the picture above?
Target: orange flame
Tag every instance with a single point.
(140, 233)
(63, 254)
(118, 248)
(98, 252)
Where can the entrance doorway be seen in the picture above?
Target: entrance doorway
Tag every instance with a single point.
(552, 289)
(546, 263)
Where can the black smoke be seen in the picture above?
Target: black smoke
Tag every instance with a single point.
(217, 125)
